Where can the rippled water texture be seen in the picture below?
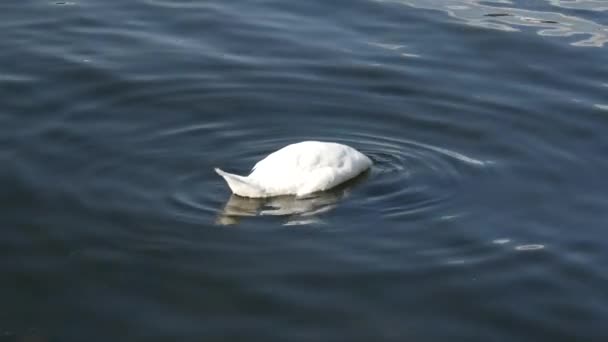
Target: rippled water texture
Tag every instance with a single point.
(482, 218)
(548, 20)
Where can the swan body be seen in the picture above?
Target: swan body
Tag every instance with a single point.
(299, 169)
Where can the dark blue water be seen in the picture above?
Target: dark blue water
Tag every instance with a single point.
(483, 218)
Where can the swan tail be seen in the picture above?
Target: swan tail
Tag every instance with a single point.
(240, 185)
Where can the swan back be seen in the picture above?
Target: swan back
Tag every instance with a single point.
(300, 169)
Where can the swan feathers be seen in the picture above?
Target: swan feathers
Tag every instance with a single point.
(299, 169)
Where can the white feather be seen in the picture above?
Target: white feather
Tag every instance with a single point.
(299, 169)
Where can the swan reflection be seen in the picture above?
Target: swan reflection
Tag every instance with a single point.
(296, 210)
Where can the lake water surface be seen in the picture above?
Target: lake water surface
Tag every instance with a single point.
(483, 218)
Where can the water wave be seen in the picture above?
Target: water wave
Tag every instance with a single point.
(499, 17)
(407, 178)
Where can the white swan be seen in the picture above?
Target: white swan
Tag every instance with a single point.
(299, 169)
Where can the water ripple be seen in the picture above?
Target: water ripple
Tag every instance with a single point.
(481, 14)
(407, 178)
(488, 182)
(411, 177)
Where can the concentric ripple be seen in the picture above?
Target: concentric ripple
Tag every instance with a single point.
(407, 178)
(411, 177)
